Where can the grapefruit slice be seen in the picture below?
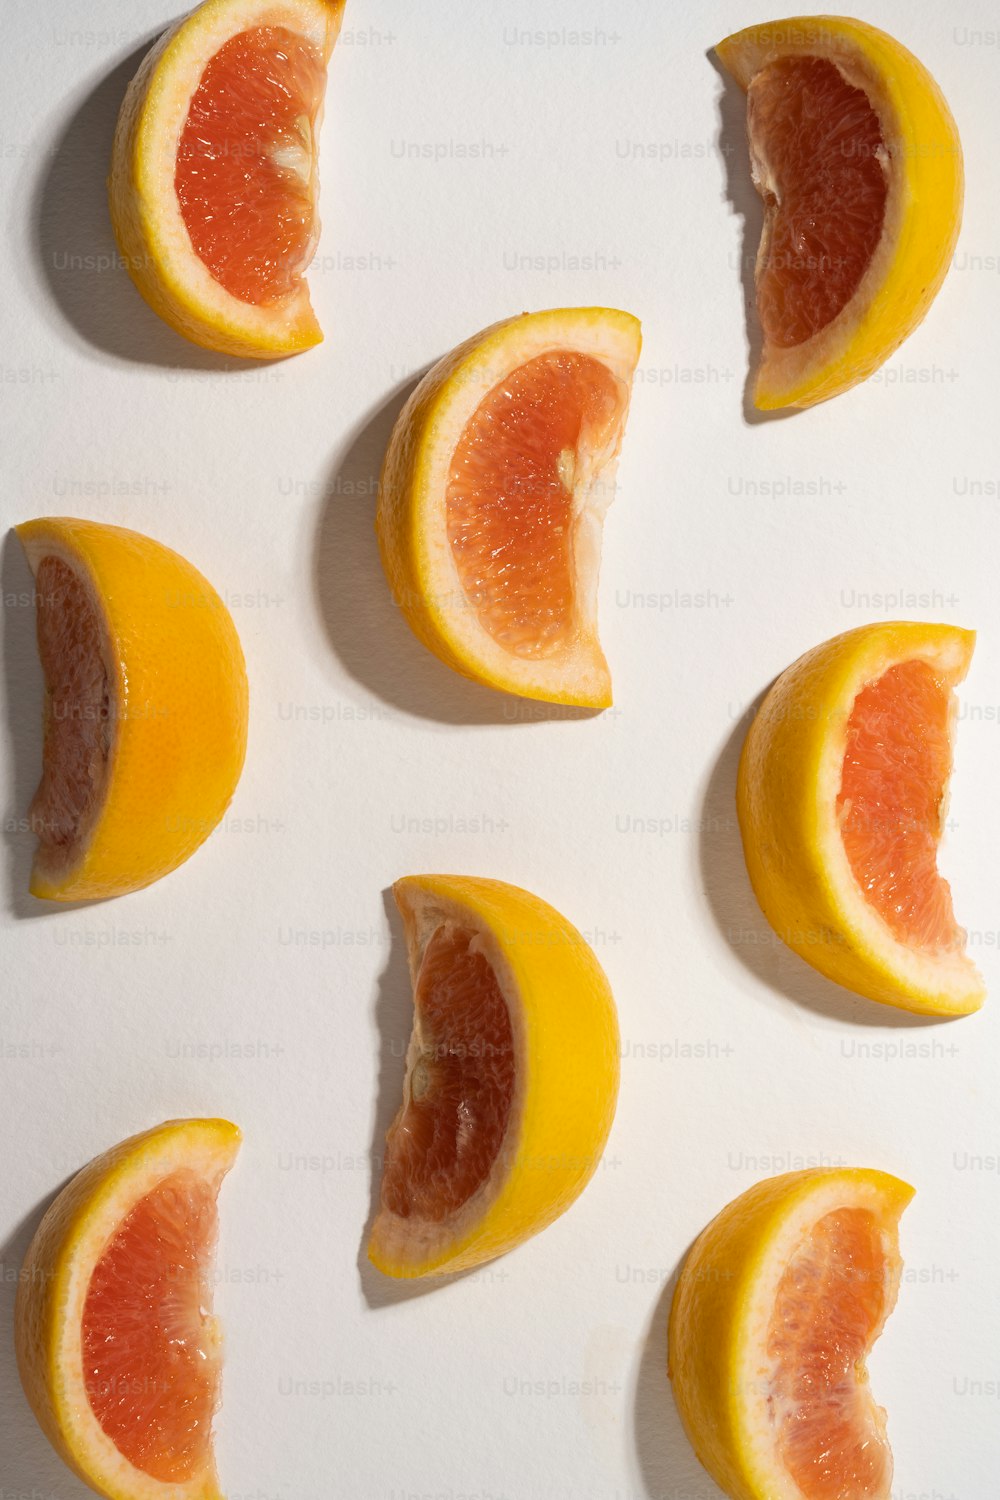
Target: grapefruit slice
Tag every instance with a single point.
(511, 1076)
(493, 492)
(145, 708)
(777, 1306)
(841, 796)
(117, 1348)
(213, 185)
(857, 158)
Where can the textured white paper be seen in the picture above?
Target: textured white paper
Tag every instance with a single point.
(477, 160)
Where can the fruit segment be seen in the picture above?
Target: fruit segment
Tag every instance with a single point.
(841, 794)
(214, 180)
(117, 1347)
(511, 1076)
(492, 497)
(776, 1309)
(856, 156)
(145, 708)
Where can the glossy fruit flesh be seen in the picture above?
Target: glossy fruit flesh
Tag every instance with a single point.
(459, 1085)
(78, 706)
(821, 162)
(896, 768)
(150, 1365)
(510, 496)
(245, 162)
(831, 1301)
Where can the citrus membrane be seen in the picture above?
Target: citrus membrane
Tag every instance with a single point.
(245, 175)
(150, 1356)
(459, 1083)
(78, 699)
(821, 162)
(896, 769)
(831, 1301)
(510, 496)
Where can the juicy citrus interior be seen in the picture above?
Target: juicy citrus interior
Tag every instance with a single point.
(820, 144)
(245, 162)
(830, 1302)
(78, 698)
(896, 769)
(459, 1086)
(151, 1372)
(510, 496)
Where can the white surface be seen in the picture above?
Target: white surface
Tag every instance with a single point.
(114, 1017)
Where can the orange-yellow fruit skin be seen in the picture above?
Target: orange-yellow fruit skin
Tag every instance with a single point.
(927, 168)
(781, 809)
(39, 1306)
(179, 713)
(709, 1315)
(136, 192)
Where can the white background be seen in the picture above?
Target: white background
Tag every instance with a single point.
(602, 159)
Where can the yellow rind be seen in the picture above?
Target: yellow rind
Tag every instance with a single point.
(138, 191)
(710, 1317)
(41, 1305)
(928, 176)
(570, 1059)
(406, 501)
(179, 713)
(782, 813)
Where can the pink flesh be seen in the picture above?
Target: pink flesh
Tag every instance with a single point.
(151, 1370)
(822, 144)
(78, 707)
(445, 1140)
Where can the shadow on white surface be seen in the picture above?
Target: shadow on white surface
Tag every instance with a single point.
(30, 1465)
(365, 628)
(741, 922)
(81, 268)
(667, 1462)
(745, 201)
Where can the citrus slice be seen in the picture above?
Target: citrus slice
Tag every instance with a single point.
(511, 1076)
(857, 159)
(777, 1306)
(841, 797)
(493, 492)
(213, 185)
(118, 1351)
(145, 708)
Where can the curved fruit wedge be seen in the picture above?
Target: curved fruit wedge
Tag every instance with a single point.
(213, 185)
(493, 492)
(841, 799)
(511, 1076)
(776, 1308)
(117, 1349)
(857, 158)
(145, 708)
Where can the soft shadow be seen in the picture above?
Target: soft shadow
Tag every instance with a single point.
(667, 1462)
(79, 261)
(741, 922)
(365, 628)
(744, 200)
(30, 1465)
(394, 1020)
